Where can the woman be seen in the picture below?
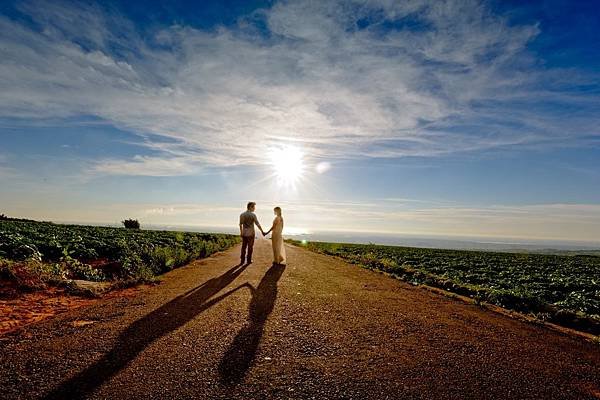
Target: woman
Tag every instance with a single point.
(277, 238)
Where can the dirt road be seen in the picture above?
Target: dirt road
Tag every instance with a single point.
(318, 328)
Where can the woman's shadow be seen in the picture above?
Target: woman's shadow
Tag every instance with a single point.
(146, 330)
(241, 353)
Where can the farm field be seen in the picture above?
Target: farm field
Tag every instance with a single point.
(42, 252)
(556, 288)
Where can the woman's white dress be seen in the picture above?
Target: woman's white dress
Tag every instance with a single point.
(277, 241)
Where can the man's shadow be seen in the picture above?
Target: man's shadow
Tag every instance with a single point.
(241, 353)
(146, 330)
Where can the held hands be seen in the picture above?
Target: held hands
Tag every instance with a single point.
(265, 233)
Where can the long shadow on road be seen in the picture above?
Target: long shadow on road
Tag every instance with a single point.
(146, 330)
(241, 353)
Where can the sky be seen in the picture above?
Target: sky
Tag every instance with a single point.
(455, 118)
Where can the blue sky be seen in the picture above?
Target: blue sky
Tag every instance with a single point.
(452, 118)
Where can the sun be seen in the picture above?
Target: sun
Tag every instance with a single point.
(288, 164)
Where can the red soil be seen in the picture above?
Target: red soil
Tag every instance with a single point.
(20, 309)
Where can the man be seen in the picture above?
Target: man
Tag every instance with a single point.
(247, 221)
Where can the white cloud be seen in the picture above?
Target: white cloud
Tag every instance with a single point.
(575, 222)
(188, 209)
(542, 221)
(147, 166)
(221, 97)
(579, 222)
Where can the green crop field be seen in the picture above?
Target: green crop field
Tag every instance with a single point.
(559, 288)
(57, 252)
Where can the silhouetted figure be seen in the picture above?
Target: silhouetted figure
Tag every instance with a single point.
(277, 237)
(146, 330)
(247, 221)
(240, 355)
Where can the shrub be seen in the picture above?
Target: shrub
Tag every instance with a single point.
(131, 223)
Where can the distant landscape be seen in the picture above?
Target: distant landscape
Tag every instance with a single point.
(558, 284)
(436, 242)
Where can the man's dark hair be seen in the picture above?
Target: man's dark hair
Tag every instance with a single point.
(250, 205)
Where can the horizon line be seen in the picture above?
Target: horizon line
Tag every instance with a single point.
(481, 239)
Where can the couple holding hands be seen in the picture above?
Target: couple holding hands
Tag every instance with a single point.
(247, 221)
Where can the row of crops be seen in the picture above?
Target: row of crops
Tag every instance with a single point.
(561, 289)
(102, 253)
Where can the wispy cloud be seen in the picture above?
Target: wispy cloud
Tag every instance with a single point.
(574, 222)
(550, 221)
(188, 209)
(537, 221)
(342, 79)
(148, 166)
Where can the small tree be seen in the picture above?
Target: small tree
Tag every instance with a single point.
(131, 223)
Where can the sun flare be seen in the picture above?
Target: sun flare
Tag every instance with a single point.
(288, 164)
